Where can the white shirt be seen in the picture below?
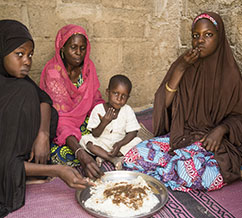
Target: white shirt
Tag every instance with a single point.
(115, 131)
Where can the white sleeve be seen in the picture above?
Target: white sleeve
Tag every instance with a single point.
(131, 122)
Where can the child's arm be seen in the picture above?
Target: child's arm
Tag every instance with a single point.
(116, 147)
(105, 120)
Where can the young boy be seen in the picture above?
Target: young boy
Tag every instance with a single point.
(113, 124)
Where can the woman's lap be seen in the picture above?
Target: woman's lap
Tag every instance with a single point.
(190, 168)
(63, 154)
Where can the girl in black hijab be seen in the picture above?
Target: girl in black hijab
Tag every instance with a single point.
(27, 121)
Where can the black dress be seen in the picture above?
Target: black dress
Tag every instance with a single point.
(19, 124)
(19, 120)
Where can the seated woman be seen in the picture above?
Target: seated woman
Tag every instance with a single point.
(27, 121)
(197, 116)
(71, 80)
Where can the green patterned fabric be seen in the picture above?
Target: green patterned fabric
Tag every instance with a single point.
(79, 81)
(63, 154)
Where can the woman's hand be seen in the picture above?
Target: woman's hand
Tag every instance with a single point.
(41, 148)
(89, 165)
(213, 139)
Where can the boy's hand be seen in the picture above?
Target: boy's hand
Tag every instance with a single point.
(115, 150)
(108, 117)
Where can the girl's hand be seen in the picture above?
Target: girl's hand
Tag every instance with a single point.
(189, 57)
(72, 177)
(41, 149)
(213, 139)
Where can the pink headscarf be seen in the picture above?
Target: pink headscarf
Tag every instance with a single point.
(73, 104)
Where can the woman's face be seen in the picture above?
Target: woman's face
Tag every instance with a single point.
(205, 37)
(18, 62)
(75, 50)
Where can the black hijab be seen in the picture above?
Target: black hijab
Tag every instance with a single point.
(12, 35)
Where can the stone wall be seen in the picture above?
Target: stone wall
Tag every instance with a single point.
(139, 38)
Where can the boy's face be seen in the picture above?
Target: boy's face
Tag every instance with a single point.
(118, 96)
(19, 61)
(205, 37)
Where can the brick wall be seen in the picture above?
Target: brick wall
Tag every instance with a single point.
(139, 38)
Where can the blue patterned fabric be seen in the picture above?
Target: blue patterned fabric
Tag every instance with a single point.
(190, 168)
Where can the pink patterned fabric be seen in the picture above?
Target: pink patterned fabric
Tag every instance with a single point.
(73, 104)
(190, 168)
(204, 15)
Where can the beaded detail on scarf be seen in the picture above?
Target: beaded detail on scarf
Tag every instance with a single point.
(206, 16)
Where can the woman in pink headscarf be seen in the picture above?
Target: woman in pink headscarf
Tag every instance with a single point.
(71, 80)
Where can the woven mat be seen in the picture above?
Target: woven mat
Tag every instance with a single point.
(144, 133)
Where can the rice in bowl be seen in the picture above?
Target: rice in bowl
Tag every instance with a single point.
(122, 198)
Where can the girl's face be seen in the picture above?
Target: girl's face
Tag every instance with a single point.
(75, 50)
(18, 62)
(205, 37)
(118, 96)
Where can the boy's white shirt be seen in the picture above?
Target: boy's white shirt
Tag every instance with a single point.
(115, 131)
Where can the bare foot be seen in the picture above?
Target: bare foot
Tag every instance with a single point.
(118, 165)
(117, 161)
(99, 161)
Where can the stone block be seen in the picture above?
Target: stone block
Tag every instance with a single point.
(112, 4)
(11, 12)
(44, 51)
(43, 3)
(107, 59)
(118, 30)
(43, 21)
(137, 56)
(121, 14)
(81, 1)
(138, 4)
(185, 32)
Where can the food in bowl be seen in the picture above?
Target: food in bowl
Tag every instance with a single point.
(124, 198)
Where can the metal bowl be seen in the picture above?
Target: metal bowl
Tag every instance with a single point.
(157, 187)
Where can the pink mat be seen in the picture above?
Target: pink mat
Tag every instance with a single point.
(56, 200)
(230, 197)
(52, 199)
